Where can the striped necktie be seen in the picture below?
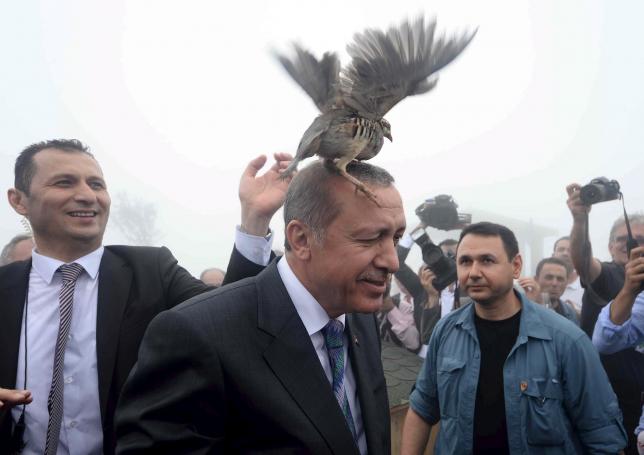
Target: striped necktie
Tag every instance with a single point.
(70, 273)
(334, 339)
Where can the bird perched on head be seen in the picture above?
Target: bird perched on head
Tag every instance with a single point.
(385, 67)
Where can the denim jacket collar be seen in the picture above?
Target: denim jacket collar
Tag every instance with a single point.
(531, 324)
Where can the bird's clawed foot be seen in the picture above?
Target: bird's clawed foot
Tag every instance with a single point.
(360, 186)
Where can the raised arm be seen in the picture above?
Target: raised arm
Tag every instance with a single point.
(580, 248)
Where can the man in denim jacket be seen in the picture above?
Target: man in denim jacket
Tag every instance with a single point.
(505, 375)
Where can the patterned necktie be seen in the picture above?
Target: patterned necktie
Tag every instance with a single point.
(70, 273)
(334, 339)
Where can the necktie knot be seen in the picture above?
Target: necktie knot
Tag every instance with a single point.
(70, 272)
(333, 334)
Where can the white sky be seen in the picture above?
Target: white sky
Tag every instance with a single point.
(176, 97)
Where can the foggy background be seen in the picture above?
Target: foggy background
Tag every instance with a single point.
(175, 98)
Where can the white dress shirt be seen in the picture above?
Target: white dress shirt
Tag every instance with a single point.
(315, 318)
(81, 431)
(447, 300)
(574, 293)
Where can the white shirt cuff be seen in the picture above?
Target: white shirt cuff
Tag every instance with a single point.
(254, 248)
(406, 241)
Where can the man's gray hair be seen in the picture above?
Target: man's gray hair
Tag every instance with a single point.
(7, 251)
(310, 198)
(633, 218)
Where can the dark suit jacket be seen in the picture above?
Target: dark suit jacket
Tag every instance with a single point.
(135, 284)
(234, 371)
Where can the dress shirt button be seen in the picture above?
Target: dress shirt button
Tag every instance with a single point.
(72, 424)
(69, 337)
(69, 380)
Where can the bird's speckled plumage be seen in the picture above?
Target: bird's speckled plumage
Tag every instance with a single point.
(385, 67)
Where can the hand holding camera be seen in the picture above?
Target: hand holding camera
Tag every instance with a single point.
(581, 198)
(426, 280)
(577, 208)
(444, 268)
(634, 278)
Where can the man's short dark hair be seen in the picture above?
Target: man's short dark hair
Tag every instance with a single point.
(7, 251)
(565, 237)
(26, 167)
(487, 229)
(310, 197)
(551, 260)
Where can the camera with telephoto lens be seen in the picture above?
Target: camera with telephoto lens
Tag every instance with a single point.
(599, 190)
(444, 267)
(441, 213)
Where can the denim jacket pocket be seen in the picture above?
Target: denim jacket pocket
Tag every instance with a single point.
(545, 425)
(449, 371)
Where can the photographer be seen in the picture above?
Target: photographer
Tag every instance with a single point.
(426, 309)
(621, 323)
(602, 282)
(605, 278)
(429, 303)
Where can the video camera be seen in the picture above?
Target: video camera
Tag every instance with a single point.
(440, 213)
(444, 267)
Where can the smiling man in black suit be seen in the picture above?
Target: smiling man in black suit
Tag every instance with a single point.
(71, 344)
(288, 361)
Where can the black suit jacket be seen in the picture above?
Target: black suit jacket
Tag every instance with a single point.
(234, 371)
(135, 284)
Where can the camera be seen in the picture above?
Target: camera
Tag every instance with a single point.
(443, 267)
(441, 213)
(599, 190)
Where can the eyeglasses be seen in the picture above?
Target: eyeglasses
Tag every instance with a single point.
(624, 239)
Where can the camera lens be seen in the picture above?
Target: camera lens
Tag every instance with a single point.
(592, 194)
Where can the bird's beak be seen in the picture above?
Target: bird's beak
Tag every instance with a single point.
(388, 136)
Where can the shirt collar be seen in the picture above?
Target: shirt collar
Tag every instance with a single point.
(313, 316)
(531, 324)
(46, 266)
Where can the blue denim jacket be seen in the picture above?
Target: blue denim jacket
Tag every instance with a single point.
(557, 396)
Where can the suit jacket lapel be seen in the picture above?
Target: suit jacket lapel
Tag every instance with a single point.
(12, 303)
(364, 353)
(293, 359)
(115, 278)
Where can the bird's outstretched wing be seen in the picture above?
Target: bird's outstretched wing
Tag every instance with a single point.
(388, 66)
(318, 78)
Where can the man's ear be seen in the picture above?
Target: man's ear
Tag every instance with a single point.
(17, 200)
(299, 237)
(517, 265)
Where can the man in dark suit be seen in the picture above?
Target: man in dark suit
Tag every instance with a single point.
(288, 361)
(61, 190)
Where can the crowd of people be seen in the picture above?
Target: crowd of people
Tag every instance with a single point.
(118, 349)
